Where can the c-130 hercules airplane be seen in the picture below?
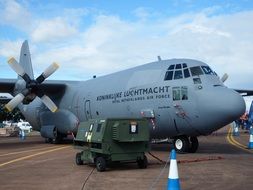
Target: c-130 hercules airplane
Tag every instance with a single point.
(182, 99)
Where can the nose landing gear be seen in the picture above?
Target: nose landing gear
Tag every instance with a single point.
(184, 144)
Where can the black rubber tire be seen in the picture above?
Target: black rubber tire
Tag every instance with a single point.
(194, 144)
(48, 140)
(143, 163)
(58, 139)
(100, 164)
(79, 160)
(181, 144)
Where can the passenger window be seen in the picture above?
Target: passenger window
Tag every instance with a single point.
(186, 73)
(171, 67)
(178, 66)
(184, 65)
(197, 81)
(184, 92)
(168, 75)
(178, 74)
(99, 127)
(176, 93)
(207, 70)
(195, 71)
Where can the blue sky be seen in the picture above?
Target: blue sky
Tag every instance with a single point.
(99, 37)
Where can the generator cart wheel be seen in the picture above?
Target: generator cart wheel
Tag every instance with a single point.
(142, 163)
(78, 159)
(100, 164)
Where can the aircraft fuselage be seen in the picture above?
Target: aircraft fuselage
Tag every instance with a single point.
(192, 105)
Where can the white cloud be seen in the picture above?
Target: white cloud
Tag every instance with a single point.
(15, 15)
(10, 48)
(112, 43)
(142, 13)
(52, 30)
(74, 16)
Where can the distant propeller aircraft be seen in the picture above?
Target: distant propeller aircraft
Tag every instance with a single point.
(181, 98)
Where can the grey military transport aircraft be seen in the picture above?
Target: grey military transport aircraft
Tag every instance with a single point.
(182, 99)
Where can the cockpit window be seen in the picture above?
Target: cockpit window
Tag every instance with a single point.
(186, 73)
(171, 67)
(179, 70)
(207, 70)
(178, 74)
(195, 71)
(178, 66)
(168, 75)
(197, 80)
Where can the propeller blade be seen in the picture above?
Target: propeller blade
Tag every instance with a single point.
(224, 77)
(14, 102)
(49, 71)
(49, 103)
(16, 67)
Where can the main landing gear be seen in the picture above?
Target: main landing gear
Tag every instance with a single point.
(184, 144)
(56, 140)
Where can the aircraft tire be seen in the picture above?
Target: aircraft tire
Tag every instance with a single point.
(58, 139)
(100, 164)
(48, 140)
(194, 144)
(142, 163)
(79, 159)
(181, 144)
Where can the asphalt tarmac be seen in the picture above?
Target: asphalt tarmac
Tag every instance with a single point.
(221, 162)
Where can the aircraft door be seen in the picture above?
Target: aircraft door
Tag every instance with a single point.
(87, 109)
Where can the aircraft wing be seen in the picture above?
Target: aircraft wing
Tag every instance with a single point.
(7, 85)
(245, 92)
(54, 89)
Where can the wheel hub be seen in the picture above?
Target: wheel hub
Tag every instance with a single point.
(179, 144)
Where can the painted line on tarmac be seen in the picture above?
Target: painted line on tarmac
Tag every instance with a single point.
(24, 151)
(232, 141)
(33, 155)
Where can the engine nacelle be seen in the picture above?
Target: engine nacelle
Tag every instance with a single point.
(48, 131)
(63, 120)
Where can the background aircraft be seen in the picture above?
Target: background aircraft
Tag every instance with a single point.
(5, 98)
(182, 99)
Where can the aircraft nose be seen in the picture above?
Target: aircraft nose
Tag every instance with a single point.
(221, 106)
(233, 104)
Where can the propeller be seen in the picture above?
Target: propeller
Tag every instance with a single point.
(33, 87)
(224, 77)
(14, 102)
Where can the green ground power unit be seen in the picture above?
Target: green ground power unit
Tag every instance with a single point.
(104, 141)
